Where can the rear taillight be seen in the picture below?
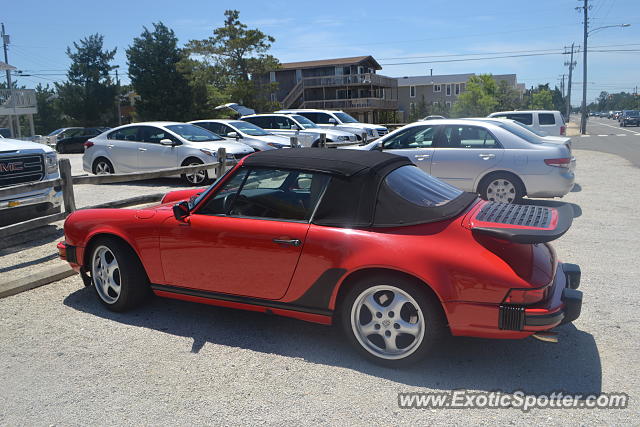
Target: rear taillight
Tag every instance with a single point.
(560, 163)
(563, 130)
(88, 144)
(525, 296)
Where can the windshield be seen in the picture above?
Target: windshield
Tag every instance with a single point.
(345, 118)
(194, 133)
(249, 128)
(416, 186)
(304, 122)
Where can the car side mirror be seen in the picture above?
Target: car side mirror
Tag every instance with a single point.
(379, 146)
(181, 211)
(235, 135)
(167, 141)
(333, 121)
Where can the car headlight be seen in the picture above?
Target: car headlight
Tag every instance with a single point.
(209, 152)
(274, 145)
(51, 160)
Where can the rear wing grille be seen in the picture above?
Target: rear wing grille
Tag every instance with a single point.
(508, 213)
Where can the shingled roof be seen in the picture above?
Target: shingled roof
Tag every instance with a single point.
(329, 62)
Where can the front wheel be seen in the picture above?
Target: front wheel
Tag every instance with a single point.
(501, 187)
(391, 321)
(196, 178)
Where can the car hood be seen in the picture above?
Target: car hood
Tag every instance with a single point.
(363, 126)
(277, 139)
(230, 145)
(12, 145)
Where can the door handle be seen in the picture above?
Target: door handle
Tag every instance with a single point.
(142, 149)
(292, 242)
(487, 156)
(422, 156)
(110, 145)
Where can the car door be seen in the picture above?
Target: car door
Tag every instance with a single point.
(415, 142)
(153, 155)
(122, 148)
(462, 153)
(247, 237)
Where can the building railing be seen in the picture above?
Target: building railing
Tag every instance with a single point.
(352, 104)
(350, 79)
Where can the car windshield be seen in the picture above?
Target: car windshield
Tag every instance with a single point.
(249, 128)
(304, 122)
(194, 133)
(416, 186)
(345, 118)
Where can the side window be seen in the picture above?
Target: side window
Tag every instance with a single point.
(475, 137)
(280, 122)
(322, 118)
(413, 137)
(524, 118)
(546, 119)
(153, 135)
(263, 122)
(220, 203)
(125, 134)
(311, 116)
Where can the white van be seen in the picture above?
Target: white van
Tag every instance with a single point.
(548, 121)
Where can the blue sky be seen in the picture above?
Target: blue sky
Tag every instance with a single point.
(41, 30)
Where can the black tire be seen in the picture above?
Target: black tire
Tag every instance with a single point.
(510, 190)
(102, 164)
(202, 179)
(433, 320)
(60, 148)
(133, 282)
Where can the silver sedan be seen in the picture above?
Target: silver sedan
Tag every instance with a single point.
(245, 132)
(484, 157)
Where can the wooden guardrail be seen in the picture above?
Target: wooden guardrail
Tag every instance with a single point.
(67, 181)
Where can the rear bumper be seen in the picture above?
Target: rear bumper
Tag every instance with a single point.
(557, 183)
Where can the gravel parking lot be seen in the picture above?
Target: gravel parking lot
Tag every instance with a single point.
(67, 360)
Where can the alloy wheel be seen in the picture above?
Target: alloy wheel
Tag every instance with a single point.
(387, 322)
(106, 274)
(103, 168)
(197, 177)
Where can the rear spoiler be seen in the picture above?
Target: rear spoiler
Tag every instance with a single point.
(521, 223)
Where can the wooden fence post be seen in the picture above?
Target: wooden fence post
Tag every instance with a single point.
(68, 197)
(293, 141)
(322, 142)
(222, 162)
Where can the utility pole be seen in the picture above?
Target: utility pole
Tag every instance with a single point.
(571, 64)
(118, 98)
(5, 42)
(562, 76)
(583, 119)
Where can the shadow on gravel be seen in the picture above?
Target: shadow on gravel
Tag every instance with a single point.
(576, 188)
(572, 365)
(577, 210)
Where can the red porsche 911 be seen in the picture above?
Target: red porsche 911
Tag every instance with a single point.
(362, 239)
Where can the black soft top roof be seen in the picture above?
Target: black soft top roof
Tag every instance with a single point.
(332, 161)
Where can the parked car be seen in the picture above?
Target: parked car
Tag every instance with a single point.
(158, 145)
(23, 162)
(429, 260)
(550, 122)
(330, 119)
(484, 158)
(289, 125)
(71, 140)
(629, 118)
(5, 132)
(245, 132)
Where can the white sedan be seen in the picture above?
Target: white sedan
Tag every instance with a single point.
(157, 145)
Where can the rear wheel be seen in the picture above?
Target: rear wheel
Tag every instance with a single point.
(60, 148)
(117, 275)
(102, 166)
(391, 321)
(501, 187)
(196, 178)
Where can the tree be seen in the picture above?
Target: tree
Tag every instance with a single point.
(479, 98)
(49, 116)
(541, 100)
(233, 55)
(88, 95)
(165, 93)
(507, 97)
(419, 110)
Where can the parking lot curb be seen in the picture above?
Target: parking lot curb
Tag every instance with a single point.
(35, 280)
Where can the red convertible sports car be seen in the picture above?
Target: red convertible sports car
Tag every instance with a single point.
(362, 239)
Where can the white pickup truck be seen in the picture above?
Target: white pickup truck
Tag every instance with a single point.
(23, 162)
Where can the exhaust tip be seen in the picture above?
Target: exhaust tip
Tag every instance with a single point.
(546, 336)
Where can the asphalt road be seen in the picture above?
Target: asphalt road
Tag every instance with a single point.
(607, 136)
(66, 360)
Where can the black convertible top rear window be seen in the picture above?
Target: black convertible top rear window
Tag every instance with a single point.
(418, 187)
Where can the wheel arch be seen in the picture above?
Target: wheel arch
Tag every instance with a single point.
(114, 234)
(189, 157)
(98, 157)
(488, 174)
(353, 277)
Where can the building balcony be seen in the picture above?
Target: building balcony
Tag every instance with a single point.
(368, 79)
(18, 101)
(353, 104)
